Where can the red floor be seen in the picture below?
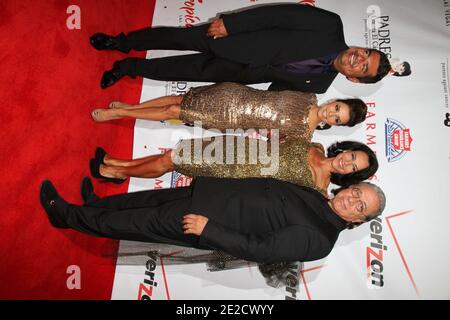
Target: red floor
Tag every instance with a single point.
(50, 82)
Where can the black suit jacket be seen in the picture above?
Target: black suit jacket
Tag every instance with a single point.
(265, 220)
(268, 36)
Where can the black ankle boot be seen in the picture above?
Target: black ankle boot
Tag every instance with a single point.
(110, 77)
(53, 205)
(87, 191)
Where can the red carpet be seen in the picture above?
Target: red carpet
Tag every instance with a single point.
(50, 82)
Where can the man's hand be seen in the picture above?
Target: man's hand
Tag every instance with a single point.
(217, 29)
(194, 224)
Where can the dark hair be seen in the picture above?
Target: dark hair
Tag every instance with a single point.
(381, 199)
(383, 69)
(354, 177)
(357, 111)
(402, 73)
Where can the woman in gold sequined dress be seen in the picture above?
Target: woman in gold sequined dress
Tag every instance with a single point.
(298, 161)
(235, 106)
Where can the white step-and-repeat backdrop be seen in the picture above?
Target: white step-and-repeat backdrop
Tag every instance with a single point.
(404, 255)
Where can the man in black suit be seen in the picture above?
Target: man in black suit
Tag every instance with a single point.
(296, 47)
(256, 219)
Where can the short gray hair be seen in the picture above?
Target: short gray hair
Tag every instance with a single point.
(381, 199)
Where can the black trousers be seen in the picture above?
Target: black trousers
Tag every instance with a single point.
(204, 66)
(147, 216)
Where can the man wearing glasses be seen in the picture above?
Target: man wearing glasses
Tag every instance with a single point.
(256, 219)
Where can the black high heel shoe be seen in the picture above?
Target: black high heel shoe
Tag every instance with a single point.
(94, 166)
(100, 155)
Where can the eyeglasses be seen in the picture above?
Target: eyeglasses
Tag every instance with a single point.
(360, 205)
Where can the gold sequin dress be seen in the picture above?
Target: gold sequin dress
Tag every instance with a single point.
(235, 106)
(221, 157)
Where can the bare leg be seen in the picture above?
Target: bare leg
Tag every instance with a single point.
(158, 102)
(118, 104)
(153, 167)
(153, 113)
(114, 162)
